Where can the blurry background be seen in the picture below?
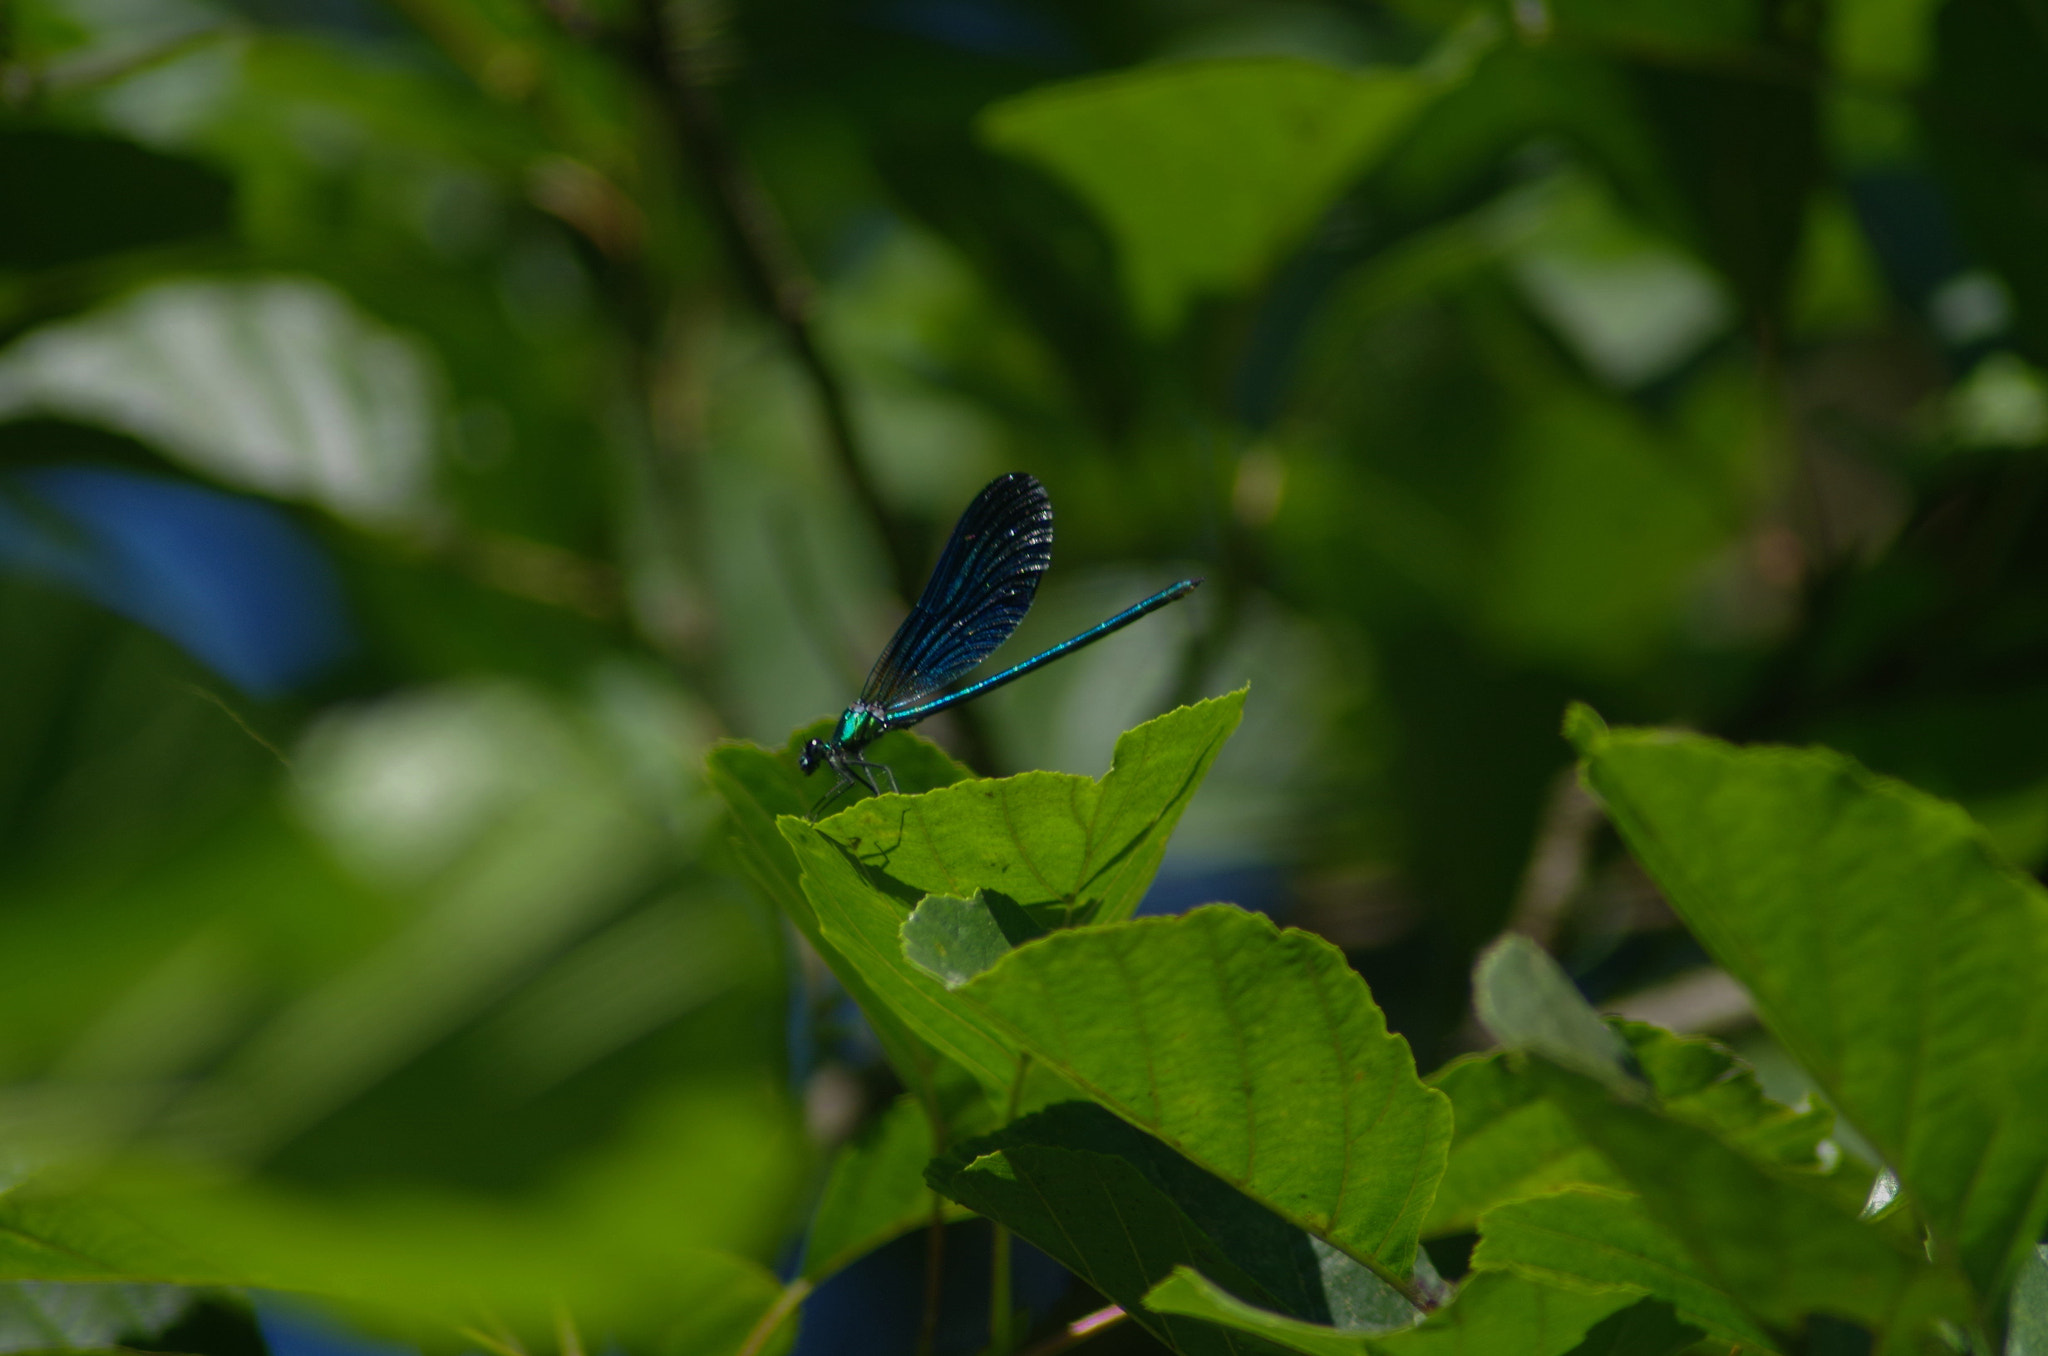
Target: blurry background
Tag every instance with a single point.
(426, 426)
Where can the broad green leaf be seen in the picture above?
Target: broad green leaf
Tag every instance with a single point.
(1588, 1236)
(73, 1237)
(1206, 171)
(1527, 1001)
(863, 929)
(957, 939)
(875, 1192)
(1648, 1327)
(1189, 1293)
(1068, 849)
(1784, 1245)
(1499, 1312)
(61, 1316)
(1256, 1052)
(1513, 1142)
(1889, 950)
(759, 787)
(275, 385)
(2026, 1328)
(1123, 1210)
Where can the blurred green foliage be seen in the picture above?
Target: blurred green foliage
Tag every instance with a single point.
(617, 364)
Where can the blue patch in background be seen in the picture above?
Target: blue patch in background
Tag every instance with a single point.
(233, 581)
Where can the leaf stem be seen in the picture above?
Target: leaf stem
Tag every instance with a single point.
(776, 1315)
(934, 1276)
(1002, 1308)
(1002, 1304)
(764, 260)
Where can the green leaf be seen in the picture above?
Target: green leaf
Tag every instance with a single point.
(275, 385)
(1067, 849)
(1257, 1053)
(957, 939)
(57, 1316)
(1513, 1142)
(1784, 1245)
(1588, 1236)
(1888, 949)
(1123, 1210)
(875, 1192)
(68, 1237)
(1499, 1312)
(1189, 1293)
(2026, 1328)
(1494, 1311)
(759, 787)
(863, 930)
(1648, 1327)
(1205, 171)
(1528, 1002)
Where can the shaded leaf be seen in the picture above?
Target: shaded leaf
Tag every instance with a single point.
(1512, 1142)
(1256, 1052)
(1889, 950)
(1782, 1245)
(1205, 171)
(1646, 1328)
(1123, 1210)
(1067, 849)
(97, 195)
(1527, 1001)
(1587, 1236)
(1988, 56)
(875, 1192)
(1499, 1311)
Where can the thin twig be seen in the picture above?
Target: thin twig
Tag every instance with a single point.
(766, 264)
(209, 695)
(934, 1276)
(1080, 1330)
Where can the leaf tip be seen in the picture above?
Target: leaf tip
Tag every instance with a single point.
(1583, 727)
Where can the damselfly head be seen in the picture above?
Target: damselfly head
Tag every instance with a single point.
(813, 756)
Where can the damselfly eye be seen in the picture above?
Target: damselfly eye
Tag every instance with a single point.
(813, 754)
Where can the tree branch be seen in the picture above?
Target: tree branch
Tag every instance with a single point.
(766, 263)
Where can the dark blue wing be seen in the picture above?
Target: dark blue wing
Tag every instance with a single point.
(980, 589)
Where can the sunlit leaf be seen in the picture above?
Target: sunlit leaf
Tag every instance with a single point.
(1886, 947)
(274, 385)
(1067, 849)
(1257, 1053)
(56, 1316)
